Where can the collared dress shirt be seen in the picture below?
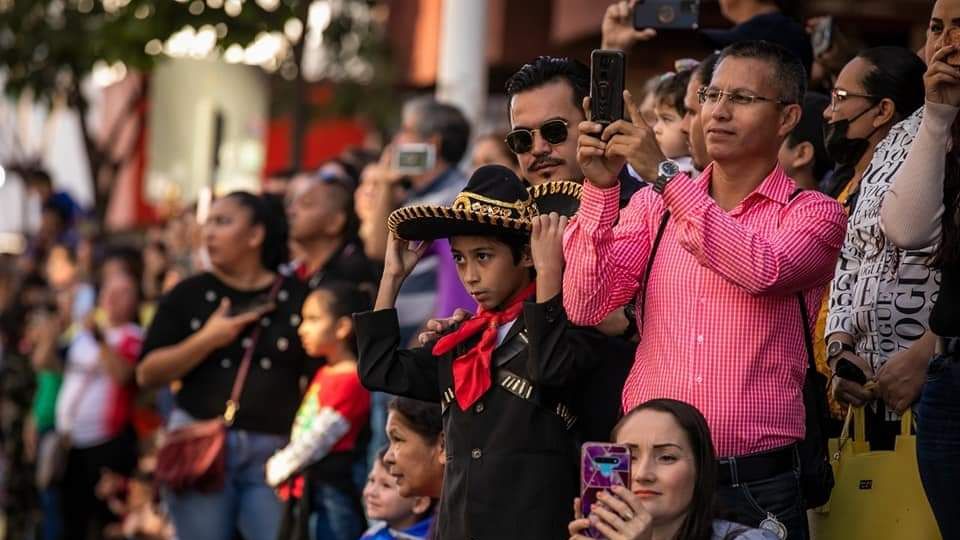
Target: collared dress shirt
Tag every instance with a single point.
(721, 328)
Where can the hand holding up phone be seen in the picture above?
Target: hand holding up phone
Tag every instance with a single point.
(617, 29)
(618, 513)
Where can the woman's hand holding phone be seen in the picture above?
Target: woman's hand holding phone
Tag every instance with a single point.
(618, 514)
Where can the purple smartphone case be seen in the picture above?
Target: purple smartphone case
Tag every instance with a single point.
(602, 466)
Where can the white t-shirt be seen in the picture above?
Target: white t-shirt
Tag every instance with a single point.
(91, 406)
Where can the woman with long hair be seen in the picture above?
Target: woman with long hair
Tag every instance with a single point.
(920, 210)
(201, 332)
(673, 481)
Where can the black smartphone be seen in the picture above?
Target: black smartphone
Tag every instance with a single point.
(667, 14)
(848, 370)
(258, 303)
(607, 78)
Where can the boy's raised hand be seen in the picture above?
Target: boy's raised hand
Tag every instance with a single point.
(402, 256)
(546, 247)
(546, 242)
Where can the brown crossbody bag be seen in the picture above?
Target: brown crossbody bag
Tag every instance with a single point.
(193, 457)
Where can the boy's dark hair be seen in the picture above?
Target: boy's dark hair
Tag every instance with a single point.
(896, 74)
(422, 417)
(672, 89)
(706, 67)
(810, 129)
(787, 72)
(547, 69)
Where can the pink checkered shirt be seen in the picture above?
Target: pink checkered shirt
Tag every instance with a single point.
(722, 328)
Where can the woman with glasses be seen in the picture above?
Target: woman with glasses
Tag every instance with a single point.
(865, 330)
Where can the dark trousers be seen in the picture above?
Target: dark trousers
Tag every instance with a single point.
(778, 496)
(84, 515)
(938, 442)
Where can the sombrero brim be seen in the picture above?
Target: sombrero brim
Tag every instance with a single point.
(560, 196)
(430, 222)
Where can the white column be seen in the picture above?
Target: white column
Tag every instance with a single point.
(462, 73)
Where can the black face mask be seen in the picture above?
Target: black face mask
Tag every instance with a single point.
(845, 152)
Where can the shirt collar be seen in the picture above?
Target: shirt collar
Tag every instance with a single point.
(777, 186)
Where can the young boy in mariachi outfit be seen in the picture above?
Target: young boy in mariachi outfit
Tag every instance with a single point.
(504, 377)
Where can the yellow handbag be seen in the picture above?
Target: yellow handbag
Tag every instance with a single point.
(878, 495)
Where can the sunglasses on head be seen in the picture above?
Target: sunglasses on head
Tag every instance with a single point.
(520, 140)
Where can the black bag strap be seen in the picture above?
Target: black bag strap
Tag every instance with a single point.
(804, 314)
(653, 254)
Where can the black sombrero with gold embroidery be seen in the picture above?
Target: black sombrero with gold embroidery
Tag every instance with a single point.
(494, 201)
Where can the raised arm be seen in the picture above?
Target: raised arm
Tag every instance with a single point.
(605, 249)
(799, 254)
(913, 206)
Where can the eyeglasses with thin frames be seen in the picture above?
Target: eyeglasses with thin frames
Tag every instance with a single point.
(713, 96)
(839, 95)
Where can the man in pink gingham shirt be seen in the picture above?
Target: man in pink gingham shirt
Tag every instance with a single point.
(721, 324)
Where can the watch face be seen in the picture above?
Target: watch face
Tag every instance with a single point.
(669, 168)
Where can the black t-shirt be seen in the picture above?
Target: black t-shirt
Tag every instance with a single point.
(272, 391)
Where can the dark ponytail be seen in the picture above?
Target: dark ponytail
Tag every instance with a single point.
(267, 211)
(897, 75)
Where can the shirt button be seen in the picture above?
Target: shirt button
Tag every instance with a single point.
(476, 453)
(479, 408)
(699, 379)
(265, 363)
(225, 363)
(699, 340)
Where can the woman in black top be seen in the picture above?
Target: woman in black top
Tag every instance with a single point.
(922, 208)
(198, 337)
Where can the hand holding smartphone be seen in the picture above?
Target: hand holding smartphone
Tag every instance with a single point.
(602, 466)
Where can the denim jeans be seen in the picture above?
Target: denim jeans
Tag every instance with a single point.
(335, 515)
(246, 503)
(779, 496)
(938, 442)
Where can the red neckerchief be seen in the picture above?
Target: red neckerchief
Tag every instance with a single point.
(471, 370)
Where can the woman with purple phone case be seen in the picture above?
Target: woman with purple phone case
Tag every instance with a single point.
(665, 491)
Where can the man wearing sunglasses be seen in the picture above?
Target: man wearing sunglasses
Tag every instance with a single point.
(718, 295)
(544, 107)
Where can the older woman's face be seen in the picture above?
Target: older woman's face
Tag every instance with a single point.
(413, 461)
(663, 471)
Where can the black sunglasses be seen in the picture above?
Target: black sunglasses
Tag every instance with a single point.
(520, 140)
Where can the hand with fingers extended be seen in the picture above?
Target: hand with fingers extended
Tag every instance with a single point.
(942, 80)
(437, 327)
(634, 141)
(402, 256)
(618, 515)
(852, 393)
(617, 29)
(222, 328)
(596, 166)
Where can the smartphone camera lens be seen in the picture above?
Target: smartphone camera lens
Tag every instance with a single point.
(666, 14)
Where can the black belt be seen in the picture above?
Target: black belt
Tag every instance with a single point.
(735, 471)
